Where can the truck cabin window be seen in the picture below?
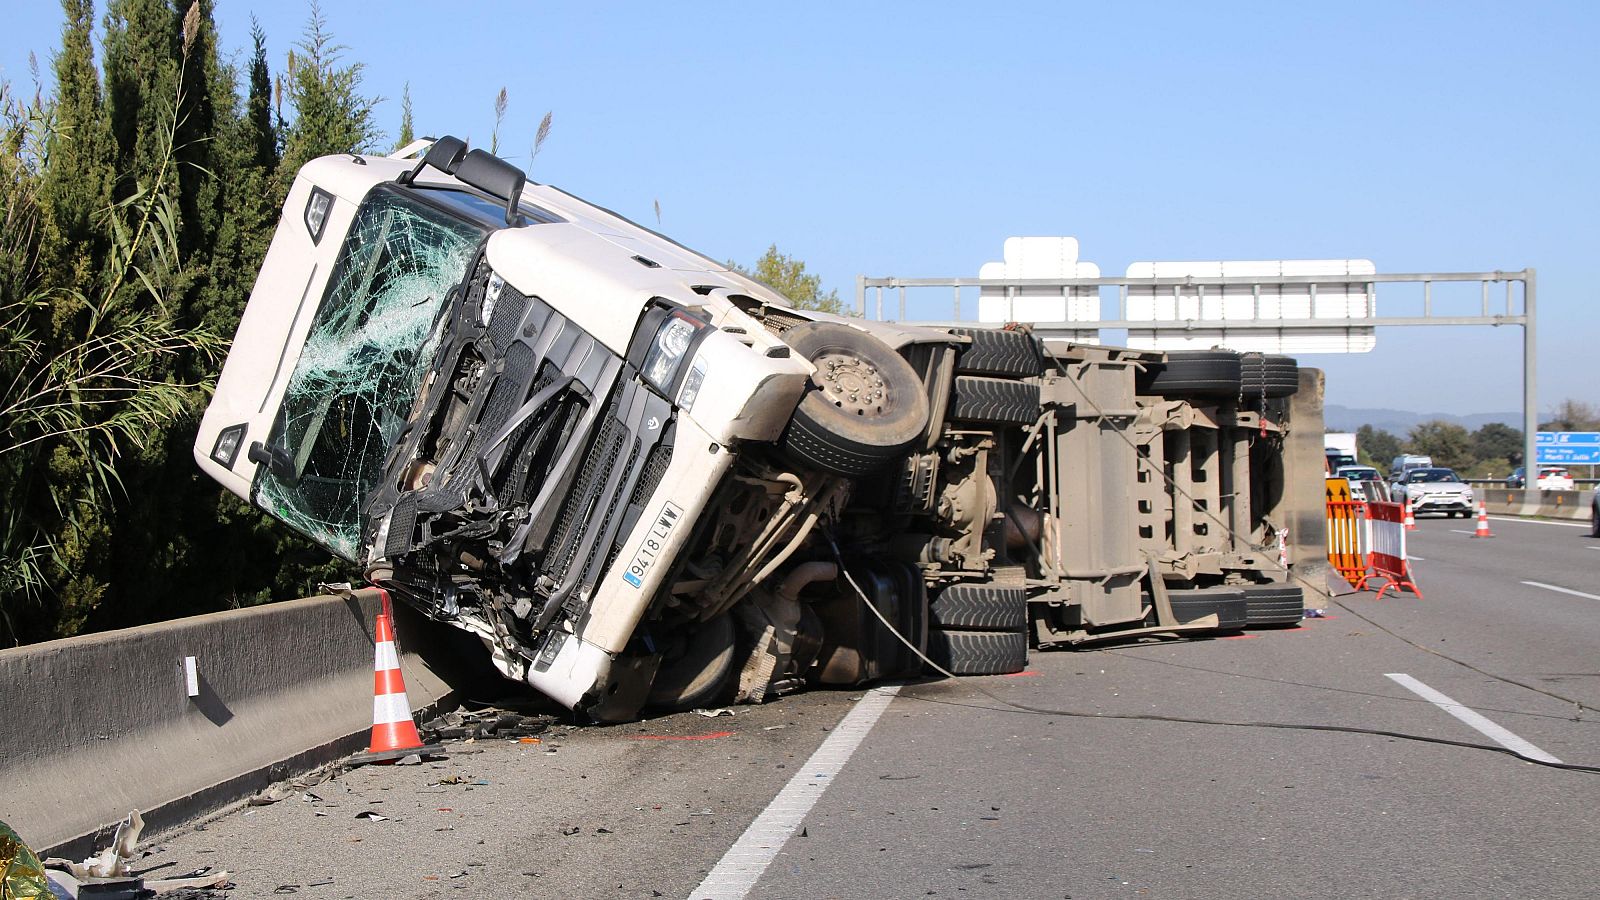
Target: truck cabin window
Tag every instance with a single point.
(370, 344)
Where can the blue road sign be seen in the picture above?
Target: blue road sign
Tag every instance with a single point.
(1580, 448)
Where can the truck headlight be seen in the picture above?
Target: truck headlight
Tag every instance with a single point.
(317, 213)
(227, 446)
(669, 349)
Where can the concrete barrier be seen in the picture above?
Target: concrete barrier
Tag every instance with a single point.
(98, 725)
(1551, 505)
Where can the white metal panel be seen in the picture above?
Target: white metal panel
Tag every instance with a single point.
(1245, 305)
(1041, 257)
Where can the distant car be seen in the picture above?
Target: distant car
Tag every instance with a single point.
(1434, 490)
(1359, 477)
(1551, 478)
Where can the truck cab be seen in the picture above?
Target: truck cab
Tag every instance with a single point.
(510, 408)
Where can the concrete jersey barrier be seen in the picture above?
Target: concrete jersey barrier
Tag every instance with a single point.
(1552, 504)
(102, 724)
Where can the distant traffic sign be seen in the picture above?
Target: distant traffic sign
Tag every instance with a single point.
(1569, 447)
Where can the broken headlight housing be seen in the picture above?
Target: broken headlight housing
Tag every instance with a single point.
(669, 349)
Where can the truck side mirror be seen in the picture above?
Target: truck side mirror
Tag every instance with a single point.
(494, 176)
(445, 155)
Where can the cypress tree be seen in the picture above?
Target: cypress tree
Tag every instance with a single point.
(76, 183)
(406, 135)
(330, 113)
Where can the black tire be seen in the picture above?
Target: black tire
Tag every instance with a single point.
(1273, 604)
(994, 400)
(980, 607)
(1269, 376)
(702, 672)
(1594, 519)
(1191, 373)
(1227, 602)
(978, 652)
(997, 352)
(866, 404)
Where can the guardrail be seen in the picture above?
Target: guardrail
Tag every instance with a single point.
(97, 725)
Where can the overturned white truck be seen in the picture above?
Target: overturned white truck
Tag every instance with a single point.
(645, 480)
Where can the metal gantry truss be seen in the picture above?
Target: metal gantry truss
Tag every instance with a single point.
(1490, 312)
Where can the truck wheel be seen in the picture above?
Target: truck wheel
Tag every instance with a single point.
(1594, 521)
(1273, 604)
(866, 405)
(1227, 602)
(1270, 376)
(980, 607)
(978, 652)
(698, 670)
(1191, 373)
(995, 400)
(997, 352)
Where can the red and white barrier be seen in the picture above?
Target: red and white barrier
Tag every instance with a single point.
(1387, 553)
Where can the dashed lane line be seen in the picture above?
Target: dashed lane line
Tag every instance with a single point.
(741, 867)
(1471, 717)
(1539, 521)
(1551, 587)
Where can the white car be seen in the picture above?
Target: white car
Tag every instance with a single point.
(1434, 490)
(1359, 477)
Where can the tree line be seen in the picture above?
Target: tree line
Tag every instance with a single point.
(1491, 451)
(140, 192)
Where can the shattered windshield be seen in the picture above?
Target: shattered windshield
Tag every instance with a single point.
(371, 342)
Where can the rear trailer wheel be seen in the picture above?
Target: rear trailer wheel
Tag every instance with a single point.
(1268, 376)
(1273, 604)
(978, 652)
(1594, 520)
(997, 352)
(698, 670)
(1227, 603)
(866, 404)
(1191, 373)
(998, 401)
(980, 607)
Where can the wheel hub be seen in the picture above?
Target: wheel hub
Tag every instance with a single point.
(850, 383)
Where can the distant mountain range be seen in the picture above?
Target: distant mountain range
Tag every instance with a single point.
(1399, 421)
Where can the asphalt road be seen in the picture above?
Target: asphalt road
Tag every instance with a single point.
(953, 794)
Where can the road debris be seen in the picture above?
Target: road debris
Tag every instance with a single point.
(468, 726)
(714, 713)
(371, 816)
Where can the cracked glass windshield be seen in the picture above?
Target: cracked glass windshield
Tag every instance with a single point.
(371, 342)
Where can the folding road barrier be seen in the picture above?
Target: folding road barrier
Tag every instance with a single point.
(1387, 552)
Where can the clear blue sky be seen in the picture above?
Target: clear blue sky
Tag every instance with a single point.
(911, 139)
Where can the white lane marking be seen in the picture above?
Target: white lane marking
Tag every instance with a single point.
(1551, 587)
(1471, 717)
(1594, 548)
(1411, 556)
(741, 867)
(1462, 531)
(1539, 521)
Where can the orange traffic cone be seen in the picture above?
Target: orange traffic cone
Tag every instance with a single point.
(1411, 520)
(1483, 522)
(394, 734)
